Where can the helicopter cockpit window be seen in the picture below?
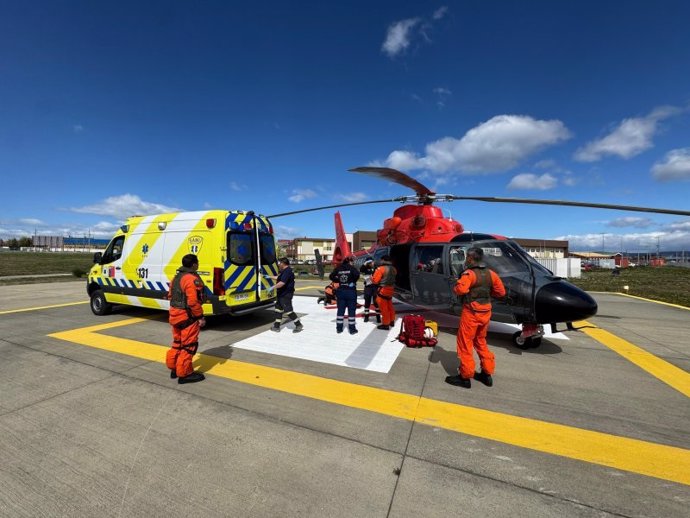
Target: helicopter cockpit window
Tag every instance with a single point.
(428, 259)
(457, 261)
(501, 257)
(379, 253)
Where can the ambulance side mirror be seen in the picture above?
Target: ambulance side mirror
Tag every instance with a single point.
(97, 257)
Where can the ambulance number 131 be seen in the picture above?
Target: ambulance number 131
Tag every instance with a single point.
(143, 273)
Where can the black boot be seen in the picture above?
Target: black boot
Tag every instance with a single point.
(385, 328)
(484, 378)
(459, 381)
(353, 330)
(338, 329)
(173, 374)
(378, 319)
(192, 378)
(366, 316)
(298, 327)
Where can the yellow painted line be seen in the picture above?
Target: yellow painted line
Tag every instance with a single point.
(633, 455)
(641, 298)
(661, 369)
(7, 312)
(655, 301)
(309, 288)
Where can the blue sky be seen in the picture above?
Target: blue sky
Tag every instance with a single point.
(109, 109)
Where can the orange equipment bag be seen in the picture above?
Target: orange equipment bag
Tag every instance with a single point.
(412, 332)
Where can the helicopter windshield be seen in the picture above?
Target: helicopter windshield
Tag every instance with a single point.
(535, 264)
(503, 257)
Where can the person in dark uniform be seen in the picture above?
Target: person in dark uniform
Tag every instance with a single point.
(346, 276)
(285, 284)
(367, 270)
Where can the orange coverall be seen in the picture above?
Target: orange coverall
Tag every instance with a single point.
(185, 325)
(474, 324)
(384, 296)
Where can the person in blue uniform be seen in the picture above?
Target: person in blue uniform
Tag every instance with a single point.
(346, 276)
(285, 284)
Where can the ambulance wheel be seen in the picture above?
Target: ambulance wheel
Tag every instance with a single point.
(99, 305)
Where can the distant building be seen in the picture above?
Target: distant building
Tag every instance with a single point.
(58, 243)
(544, 248)
(363, 240)
(303, 249)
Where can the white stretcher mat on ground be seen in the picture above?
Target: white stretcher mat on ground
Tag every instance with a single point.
(370, 349)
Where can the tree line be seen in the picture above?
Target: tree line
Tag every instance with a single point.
(16, 244)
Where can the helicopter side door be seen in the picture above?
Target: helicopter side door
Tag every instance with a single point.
(456, 256)
(429, 279)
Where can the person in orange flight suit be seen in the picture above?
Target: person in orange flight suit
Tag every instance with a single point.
(186, 318)
(384, 277)
(477, 285)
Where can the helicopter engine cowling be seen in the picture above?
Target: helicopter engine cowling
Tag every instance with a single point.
(417, 223)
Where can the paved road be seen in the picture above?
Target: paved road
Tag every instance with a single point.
(93, 426)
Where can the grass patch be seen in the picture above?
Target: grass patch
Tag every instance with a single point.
(42, 263)
(667, 284)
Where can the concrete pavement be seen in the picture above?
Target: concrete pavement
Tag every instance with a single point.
(93, 426)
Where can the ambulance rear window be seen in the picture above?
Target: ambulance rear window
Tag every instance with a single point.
(268, 249)
(240, 248)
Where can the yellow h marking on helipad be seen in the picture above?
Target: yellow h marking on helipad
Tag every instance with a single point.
(637, 456)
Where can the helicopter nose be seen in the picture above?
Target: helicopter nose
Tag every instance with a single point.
(563, 302)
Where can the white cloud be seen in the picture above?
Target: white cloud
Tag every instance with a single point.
(568, 179)
(546, 164)
(237, 187)
(398, 36)
(77, 128)
(124, 206)
(285, 232)
(440, 12)
(630, 221)
(533, 182)
(352, 197)
(442, 91)
(631, 137)
(31, 221)
(442, 95)
(680, 225)
(674, 166)
(496, 145)
(301, 194)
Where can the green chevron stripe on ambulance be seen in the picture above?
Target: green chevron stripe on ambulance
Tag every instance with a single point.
(236, 251)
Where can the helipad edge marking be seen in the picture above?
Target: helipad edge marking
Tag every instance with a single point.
(6, 312)
(637, 456)
(660, 369)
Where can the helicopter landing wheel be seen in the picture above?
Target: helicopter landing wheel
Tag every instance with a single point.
(525, 343)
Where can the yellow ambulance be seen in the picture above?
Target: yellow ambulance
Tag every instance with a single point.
(236, 251)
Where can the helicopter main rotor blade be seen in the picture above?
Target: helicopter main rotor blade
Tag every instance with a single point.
(334, 207)
(492, 199)
(396, 176)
